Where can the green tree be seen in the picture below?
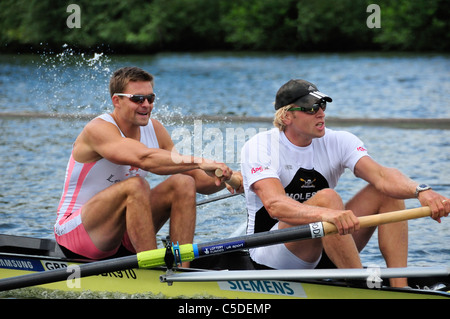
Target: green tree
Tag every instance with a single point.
(333, 25)
(137, 26)
(414, 25)
(261, 25)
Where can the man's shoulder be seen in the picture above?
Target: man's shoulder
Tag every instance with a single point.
(334, 135)
(338, 141)
(101, 119)
(98, 127)
(262, 136)
(155, 124)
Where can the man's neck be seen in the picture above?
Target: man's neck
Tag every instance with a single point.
(128, 129)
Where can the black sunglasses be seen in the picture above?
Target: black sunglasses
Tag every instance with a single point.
(138, 98)
(313, 109)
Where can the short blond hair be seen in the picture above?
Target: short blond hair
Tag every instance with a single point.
(279, 117)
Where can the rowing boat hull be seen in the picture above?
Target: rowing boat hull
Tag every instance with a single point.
(146, 282)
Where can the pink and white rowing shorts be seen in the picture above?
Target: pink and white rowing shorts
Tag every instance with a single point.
(78, 241)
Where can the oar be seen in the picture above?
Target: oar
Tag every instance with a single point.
(214, 199)
(233, 181)
(189, 252)
(302, 274)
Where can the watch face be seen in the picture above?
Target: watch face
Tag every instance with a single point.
(420, 188)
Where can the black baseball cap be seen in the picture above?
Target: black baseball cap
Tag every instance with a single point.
(299, 92)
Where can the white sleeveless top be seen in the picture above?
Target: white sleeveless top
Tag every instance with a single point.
(84, 180)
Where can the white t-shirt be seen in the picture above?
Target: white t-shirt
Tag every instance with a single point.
(302, 170)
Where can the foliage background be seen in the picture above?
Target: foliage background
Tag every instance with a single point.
(138, 26)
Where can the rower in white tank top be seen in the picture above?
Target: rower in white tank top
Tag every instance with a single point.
(84, 180)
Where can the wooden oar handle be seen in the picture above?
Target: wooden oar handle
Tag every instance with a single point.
(233, 181)
(384, 218)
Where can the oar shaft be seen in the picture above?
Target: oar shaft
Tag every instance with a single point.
(313, 230)
(260, 239)
(189, 252)
(88, 269)
(217, 198)
(303, 274)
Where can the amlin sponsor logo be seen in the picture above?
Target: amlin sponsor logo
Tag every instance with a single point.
(271, 287)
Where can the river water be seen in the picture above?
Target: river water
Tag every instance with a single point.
(34, 150)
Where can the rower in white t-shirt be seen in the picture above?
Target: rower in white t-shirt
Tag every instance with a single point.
(289, 176)
(302, 171)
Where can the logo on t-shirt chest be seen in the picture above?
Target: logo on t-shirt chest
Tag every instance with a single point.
(305, 184)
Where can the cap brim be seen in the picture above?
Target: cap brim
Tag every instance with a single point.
(310, 99)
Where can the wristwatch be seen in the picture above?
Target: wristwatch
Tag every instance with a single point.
(421, 188)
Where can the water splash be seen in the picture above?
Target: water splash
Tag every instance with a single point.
(69, 75)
